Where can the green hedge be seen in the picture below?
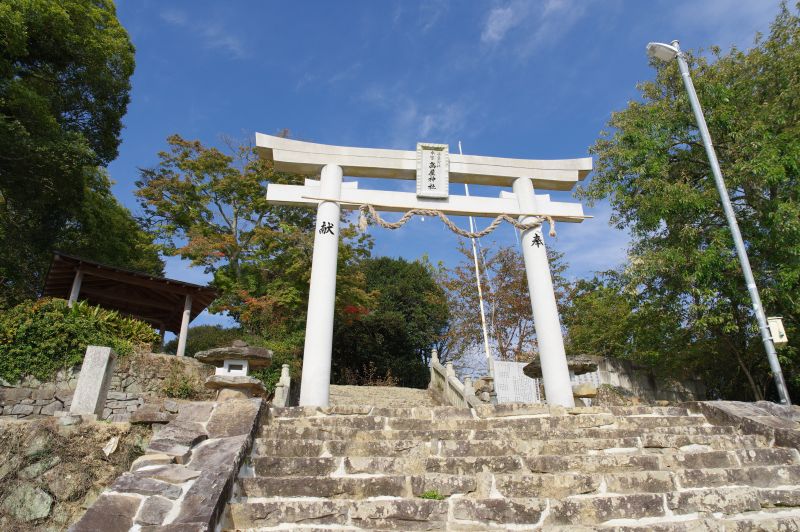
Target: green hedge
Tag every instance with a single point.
(40, 337)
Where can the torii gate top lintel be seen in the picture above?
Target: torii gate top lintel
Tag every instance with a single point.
(308, 158)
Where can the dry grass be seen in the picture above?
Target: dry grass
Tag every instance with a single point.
(82, 463)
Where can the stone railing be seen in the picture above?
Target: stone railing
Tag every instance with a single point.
(446, 385)
(283, 387)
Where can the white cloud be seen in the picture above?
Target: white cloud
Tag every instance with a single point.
(411, 120)
(499, 21)
(528, 25)
(726, 22)
(592, 245)
(173, 16)
(431, 12)
(213, 34)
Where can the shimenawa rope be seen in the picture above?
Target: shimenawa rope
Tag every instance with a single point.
(366, 210)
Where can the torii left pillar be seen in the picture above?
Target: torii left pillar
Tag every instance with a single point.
(316, 379)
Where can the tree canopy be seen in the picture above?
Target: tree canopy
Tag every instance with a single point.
(65, 69)
(393, 331)
(210, 206)
(684, 280)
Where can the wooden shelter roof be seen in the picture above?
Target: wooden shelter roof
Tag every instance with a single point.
(155, 300)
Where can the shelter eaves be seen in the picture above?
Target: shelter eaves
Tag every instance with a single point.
(156, 300)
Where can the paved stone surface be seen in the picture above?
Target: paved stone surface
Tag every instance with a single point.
(232, 418)
(109, 513)
(153, 511)
(380, 396)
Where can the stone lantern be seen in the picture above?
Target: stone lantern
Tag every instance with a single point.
(233, 365)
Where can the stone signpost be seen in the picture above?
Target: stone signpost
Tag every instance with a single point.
(434, 168)
(93, 381)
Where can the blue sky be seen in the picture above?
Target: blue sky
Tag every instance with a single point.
(523, 79)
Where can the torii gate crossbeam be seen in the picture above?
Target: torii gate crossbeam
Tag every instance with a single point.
(330, 195)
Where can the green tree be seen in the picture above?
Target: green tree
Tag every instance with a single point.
(652, 167)
(107, 232)
(393, 331)
(210, 207)
(65, 68)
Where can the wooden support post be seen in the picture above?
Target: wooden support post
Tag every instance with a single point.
(187, 314)
(76, 288)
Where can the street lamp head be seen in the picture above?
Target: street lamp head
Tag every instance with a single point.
(661, 51)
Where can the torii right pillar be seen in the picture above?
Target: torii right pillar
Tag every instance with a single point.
(555, 373)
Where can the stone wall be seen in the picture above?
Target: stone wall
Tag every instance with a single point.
(136, 378)
(644, 385)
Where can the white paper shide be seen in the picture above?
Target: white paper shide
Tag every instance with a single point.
(433, 170)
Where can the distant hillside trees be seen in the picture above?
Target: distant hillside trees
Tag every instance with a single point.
(65, 69)
(393, 331)
(682, 298)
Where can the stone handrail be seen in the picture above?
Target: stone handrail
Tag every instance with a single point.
(445, 383)
(281, 397)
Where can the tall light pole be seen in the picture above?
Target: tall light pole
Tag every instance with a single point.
(667, 52)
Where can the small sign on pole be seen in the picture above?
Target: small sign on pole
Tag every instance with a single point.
(433, 170)
(777, 331)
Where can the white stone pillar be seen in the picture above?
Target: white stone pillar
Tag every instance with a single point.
(187, 315)
(555, 373)
(316, 380)
(76, 288)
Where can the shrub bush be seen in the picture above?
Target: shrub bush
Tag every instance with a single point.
(40, 337)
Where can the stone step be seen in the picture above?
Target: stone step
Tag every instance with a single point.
(728, 501)
(357, 487)
(349, 433)
(618, 511)
(664, 444)
(481, 412)
(469, 465)
(717, 442)
(530, 424)
(386, 514)
(553, 485)
(784, 520)
(547, 485)
(756, 476)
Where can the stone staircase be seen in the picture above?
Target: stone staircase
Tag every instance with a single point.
(511, 467)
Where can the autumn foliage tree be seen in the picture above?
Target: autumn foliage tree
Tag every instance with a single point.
(210, 207)
(507, 305)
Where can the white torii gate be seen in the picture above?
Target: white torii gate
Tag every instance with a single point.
(330, 195)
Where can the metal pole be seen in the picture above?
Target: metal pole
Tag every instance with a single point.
(741, 251)
(489, 360)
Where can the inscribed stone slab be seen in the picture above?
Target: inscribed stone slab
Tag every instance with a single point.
(93, 382)
(512, 385)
